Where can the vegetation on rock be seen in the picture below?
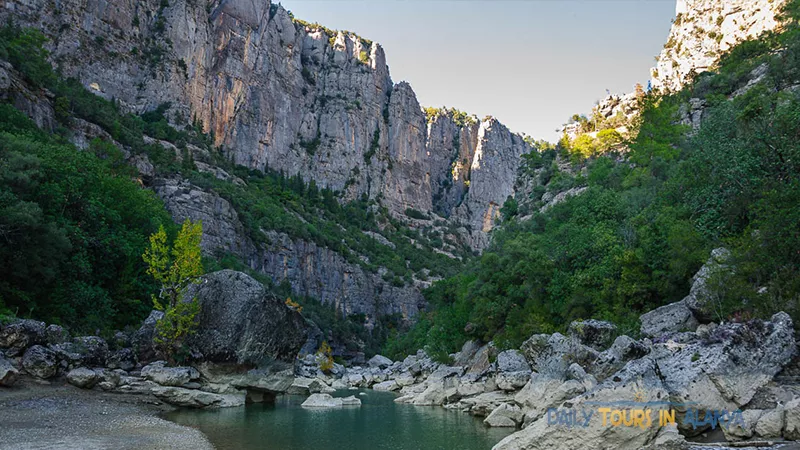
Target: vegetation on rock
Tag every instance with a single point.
(175, 269)
(633, 239)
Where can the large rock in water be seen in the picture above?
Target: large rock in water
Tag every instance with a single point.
(193, 398)
(326, 401)
(240, 322)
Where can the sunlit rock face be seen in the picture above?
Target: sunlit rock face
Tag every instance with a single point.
(282, 94)
(703, 30)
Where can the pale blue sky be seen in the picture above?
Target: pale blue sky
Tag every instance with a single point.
(529, 63)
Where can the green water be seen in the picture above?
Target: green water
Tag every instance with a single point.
(378, 424)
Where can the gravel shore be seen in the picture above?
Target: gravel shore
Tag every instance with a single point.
(36, 415)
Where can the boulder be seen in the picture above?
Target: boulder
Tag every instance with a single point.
(380, 362)
(386, 386)
(193, 398)
(351, 401)
(306, 386)
(469, 389)
(16, 336)
(593, 333)
(623, 349)
(124, 359)
(671, 318)
(241, 322)
(326, 401)
(337, 385)
(771, 423)
(467, 352)
(158, 372)
(639, 379)
(725, 370)
(8, 373)
(82, 377)
(271, 380)
(738, 431)
(505, 415)
(553, 354)
(142, 339)
(81, 352)
(668, 438)
(120, 340)
(108, 379)
(512, 381)
(483, 404)
(715, 270)
(543, 392)
(93, 350)
(40, 362)
(405, 379)
(512, 361)
(55, 334)
(438, 392)
(792, 420)
(480, 363)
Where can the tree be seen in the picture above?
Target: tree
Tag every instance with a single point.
(175, 270)
(324, 357)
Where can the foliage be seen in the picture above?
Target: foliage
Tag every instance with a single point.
(460, 118)
(635, 237)
(74, 226)
(23, 49)
(293, 304)
(175, 270)
(325, 356)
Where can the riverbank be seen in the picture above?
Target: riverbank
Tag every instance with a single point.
(39, 415)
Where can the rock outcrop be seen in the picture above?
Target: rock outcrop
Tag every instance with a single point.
(282, 94)
(705, 29)
(311, 270)
(243, 350)
(240, 322)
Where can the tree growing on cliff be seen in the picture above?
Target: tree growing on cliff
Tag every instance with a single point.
(175, 270)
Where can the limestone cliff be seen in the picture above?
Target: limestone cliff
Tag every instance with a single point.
(311, 270)
(703, 30)
(279, 93)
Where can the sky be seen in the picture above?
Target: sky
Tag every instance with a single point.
(529, 63)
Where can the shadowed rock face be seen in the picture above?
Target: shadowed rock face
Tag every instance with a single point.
(279, 94)
(241, 323)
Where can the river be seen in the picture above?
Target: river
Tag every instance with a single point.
(379, 423)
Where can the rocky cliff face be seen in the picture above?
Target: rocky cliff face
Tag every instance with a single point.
(311, 270)
(282, 94)
(703, 30)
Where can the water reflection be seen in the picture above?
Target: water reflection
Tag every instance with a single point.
(378, 424)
